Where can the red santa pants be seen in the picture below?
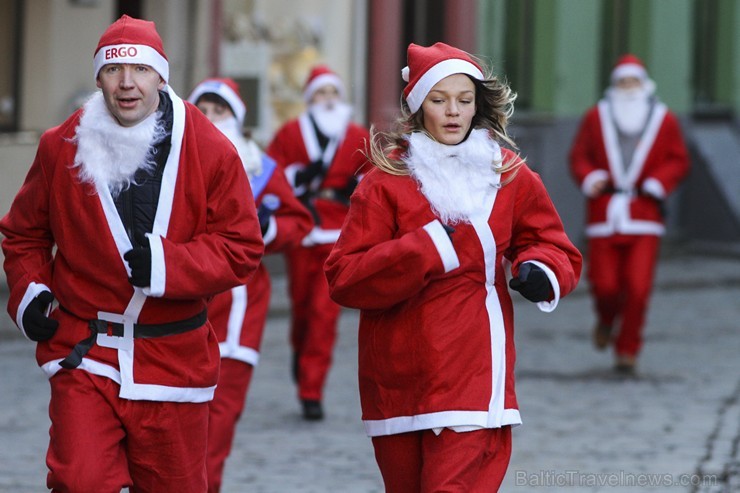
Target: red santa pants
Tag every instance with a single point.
(621, 271)
(422, 462)
(314, 318)
(224, 412)
(102, 443)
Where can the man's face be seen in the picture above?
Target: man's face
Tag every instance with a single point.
(628, 83)
(130, 91)
(326, 95)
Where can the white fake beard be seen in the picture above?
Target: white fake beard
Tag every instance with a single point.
(455, 179)
(331, 118)
(109, 154)
(631, 108)
(248, 151)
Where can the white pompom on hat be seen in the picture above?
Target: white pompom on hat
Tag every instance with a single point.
(135, 41)
(428, 65)
(629, 66)
(226, 88)
(320, 76)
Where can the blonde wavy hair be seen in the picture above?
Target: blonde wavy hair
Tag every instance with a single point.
(494, 105)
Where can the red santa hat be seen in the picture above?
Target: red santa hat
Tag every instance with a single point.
(320, 76)
(227, 89)
(130, 40)
(629, 66)
(428, 65)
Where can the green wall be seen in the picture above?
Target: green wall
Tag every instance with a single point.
(576, 56)
(567, 50)
(669, 48)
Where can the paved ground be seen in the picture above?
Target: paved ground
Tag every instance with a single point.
(675, 428)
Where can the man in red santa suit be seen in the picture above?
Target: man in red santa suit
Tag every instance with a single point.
(238, 316)
(136, 210)
(424, 254)
(627, 157)
(322, 153)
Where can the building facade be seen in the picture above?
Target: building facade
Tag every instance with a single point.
(556, 54)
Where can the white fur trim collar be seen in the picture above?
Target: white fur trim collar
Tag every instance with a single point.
(455, 179)
(109, 154)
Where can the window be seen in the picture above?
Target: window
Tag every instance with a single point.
(712, 64)
(615, 30)
(519, 51)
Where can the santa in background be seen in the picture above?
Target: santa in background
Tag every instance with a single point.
(322, 153)
(239, 315)
(628, 156)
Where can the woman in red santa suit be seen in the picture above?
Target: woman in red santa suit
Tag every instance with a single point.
(627, 157)
(135, 211)
(423, 254)
(322, 154)
(238, 316)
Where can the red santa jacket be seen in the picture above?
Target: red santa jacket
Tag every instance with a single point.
(660, 162)
(205, 239)
(436, 341)
(238, 315)
(295, 146)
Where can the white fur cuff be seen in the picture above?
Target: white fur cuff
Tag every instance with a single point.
(653, 187)
(443, 244)
(591, 178)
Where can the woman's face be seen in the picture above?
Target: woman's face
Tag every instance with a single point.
(449, 109)
(214, 111)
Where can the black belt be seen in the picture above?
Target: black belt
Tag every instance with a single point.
(335, 194)
(637, 192)
(141, 331)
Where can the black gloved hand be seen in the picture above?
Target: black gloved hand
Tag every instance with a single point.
(37, 325)
(449, 230)
(270, 203)
(532, 283)
(306, 175)
(139, 261)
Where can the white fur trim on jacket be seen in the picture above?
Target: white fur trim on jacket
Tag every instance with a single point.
(443, 244)
(618, 218)
(591, 178)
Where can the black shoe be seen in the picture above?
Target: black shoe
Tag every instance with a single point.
(626, 366)
(312, 410)
(602, 336)
(294, 367)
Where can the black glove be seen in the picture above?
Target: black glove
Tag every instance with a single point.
(449, 230)
(532, 283)
(270, 203)
(139, 261)
(306, 175)
(343, 194)
(37, 325)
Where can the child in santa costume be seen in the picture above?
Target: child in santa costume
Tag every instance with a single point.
(627, 157)
(321, 153)
(238, 316)
(423, 254)
(136, 210)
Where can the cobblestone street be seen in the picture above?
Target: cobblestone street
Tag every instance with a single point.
(675, 427)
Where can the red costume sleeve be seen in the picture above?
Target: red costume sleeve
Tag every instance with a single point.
(674, 158)
(538, 234)
(294, 221)
(371, 268)
(584, 157)
(28, 239)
